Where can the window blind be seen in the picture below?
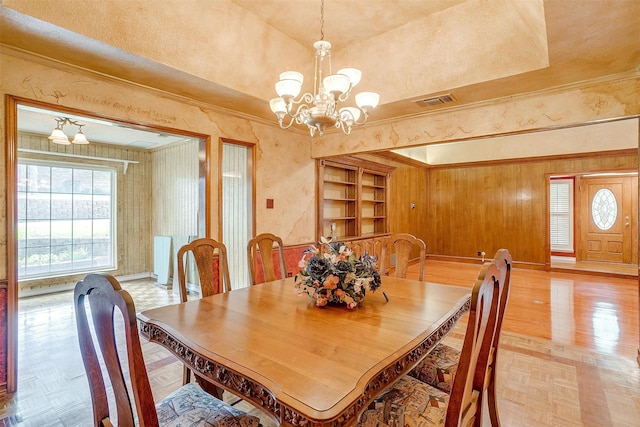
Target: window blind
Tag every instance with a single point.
(561, 215)
(237, 210)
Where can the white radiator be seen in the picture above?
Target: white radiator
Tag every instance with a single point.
(162, 259)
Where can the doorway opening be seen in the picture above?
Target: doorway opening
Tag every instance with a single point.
(103, 223)
(237, 206)
(593, 223)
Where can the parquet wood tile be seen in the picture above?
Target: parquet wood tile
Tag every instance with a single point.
(556, 368)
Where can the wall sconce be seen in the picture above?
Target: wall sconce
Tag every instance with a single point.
(59, 137)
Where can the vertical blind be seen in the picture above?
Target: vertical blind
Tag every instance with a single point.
(561, 215)
(237, 210)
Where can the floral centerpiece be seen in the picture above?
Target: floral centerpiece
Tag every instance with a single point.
(336, 275)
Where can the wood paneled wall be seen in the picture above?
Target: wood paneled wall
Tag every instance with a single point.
(408, 209)
(175, 174)
(408, 185)
(494, 205)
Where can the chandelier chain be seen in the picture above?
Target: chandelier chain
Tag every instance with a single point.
(322, 20)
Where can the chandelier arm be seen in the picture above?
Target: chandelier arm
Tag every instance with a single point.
(301, 108)
(291, 122)
(344, 96)
(305, 97)
(302, 113)
(346, 129)
(363, 119)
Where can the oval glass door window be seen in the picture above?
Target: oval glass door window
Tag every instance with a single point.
(604, 209)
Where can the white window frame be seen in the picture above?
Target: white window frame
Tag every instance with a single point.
(24, 219)
(561, 215)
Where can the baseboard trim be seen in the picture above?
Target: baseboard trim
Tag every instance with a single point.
(479, 261)
(69, 286)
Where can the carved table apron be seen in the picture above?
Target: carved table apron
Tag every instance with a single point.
(301, 364)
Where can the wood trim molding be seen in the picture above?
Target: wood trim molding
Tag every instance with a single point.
(390, 155)
(613, 153)
(359, 163)
(4, 283)
(11, 135)
(474, 260)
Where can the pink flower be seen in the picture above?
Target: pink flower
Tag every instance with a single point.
(331, 282)
(321, 300)
(351, 303)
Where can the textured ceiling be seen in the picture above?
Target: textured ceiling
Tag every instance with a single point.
(407, 49)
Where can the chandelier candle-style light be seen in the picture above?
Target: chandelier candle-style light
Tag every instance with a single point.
(322, 108)
(59, 137)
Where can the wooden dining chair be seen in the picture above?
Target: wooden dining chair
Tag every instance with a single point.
(189, 405)
(263, 244)
(504, 261)
(205, 251)
(402, 245)
(439, 367)
(413, 402)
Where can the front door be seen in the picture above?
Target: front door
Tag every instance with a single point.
(608, 213)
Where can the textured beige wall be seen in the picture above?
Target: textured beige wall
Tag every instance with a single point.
(500, 38)
(545, 110)
(285, 170)
(615, 135)
(201, 35)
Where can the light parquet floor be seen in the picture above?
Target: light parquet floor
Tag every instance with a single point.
(567, 354)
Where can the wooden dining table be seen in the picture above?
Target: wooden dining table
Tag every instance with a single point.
(306, 365)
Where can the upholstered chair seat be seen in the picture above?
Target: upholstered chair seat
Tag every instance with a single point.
(191, 406)
(439, 367)
(408, 403)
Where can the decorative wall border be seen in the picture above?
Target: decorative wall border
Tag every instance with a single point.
(260, 395)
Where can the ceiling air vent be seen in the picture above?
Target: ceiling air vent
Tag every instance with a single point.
(435, 100)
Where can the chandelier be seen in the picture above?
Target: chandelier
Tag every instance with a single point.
(59, 137)
(322, 108)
